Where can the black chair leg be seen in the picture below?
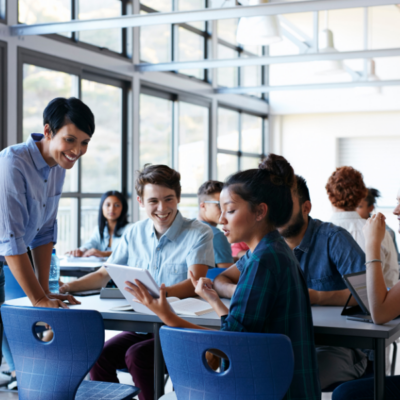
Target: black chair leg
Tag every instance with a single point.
(394, 358)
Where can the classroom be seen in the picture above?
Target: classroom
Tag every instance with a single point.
(199, 199)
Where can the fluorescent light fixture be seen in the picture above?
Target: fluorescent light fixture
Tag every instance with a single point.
(263, 30)
(328, 67)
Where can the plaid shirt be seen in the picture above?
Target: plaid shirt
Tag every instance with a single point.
(272, 297)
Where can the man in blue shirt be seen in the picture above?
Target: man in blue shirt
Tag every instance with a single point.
(169, 246)
(209, 213)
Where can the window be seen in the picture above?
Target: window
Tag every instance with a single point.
(180, 42)
(239, 141)
(104, 166)
(181, 132)
(3, 94)
(115, 40)
(2, 10)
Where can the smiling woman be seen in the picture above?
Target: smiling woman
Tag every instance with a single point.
(31, 183)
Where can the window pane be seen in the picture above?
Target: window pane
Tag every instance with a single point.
(193, 130)
(2, 9)
(227, 30)
(227, 76)
(71, 180)
(191, 47)
(159, 5)
(189, 207)
(249, 163)
(89, 218)
(40, 86)
(155, 130)
(155, 43)
(101, 165)
(95, 9)
(226, 165)
(187, 5)
(40, 12)
(228, 129)
(67, 218)
(251, 134)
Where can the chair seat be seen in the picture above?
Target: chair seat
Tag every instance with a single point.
(168, 396)
(94, 390)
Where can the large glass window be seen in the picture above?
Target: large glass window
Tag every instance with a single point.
(239, 142)
(2, 10)
(103, 167)
(177, 138)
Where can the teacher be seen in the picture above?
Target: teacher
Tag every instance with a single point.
(31, 179)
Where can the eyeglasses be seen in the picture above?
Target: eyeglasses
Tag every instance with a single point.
(213, 202)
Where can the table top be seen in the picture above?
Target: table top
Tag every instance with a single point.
(327, 320)
(64, 264)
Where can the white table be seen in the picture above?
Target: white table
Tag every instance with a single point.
(330, 328)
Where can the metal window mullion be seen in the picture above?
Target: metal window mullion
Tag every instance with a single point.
(229, 152)
(124, 143)
(175, 134)
(75, 14)
(240, 140)
(253, 155)
(124, 31)
(79, 173)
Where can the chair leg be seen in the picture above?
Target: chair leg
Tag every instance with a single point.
(394, 358)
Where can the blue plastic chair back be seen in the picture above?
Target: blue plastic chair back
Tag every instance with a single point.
(260, 365)
(52, 370)
(212, 273)
(12, 288)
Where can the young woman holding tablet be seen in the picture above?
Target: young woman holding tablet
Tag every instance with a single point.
(271, 295)
(113, 220)
(31, 181)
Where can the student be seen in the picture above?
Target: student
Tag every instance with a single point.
(113, 220)
(271, 294)
(345, 190)
(384, 306)
(31, 181)
(169, 246)
(239, 250)
(209, 213)
(325, 252)
(367, 206)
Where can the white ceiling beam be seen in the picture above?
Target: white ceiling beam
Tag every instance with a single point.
(314, 86)
(207, 14)
(267, 60)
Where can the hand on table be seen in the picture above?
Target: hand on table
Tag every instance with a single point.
(46, 302)
(75, 253)
(374, 230)
(96, 253)
(203, 287)
(63, 297)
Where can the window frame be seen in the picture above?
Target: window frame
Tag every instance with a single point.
(3, 12)
(82, 71)
(125, 54)
(3, 95)
(239, 153)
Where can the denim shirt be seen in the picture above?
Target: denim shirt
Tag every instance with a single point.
(185, 243)
(326, 253)
(29, 195)
(95, 241)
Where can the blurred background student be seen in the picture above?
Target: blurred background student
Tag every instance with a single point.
(113, 220)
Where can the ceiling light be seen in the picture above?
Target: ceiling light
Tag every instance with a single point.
(263, 30)
(328, 67)
(370, 77)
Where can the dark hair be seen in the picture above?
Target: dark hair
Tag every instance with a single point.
(158, 175)
(122, 219)
(346, 188)
(302, 190)
(372, 195)
(208, 188)
(61, 111)
(270, 184)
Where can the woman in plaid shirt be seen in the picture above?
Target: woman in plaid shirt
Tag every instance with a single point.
(271, 295)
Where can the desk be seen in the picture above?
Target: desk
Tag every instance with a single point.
(329, 326)
(78, 269)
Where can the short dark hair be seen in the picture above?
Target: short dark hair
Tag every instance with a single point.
(61, 111)
(208, 188)
(270, 184)
(372, 195)
(122, 219)
(302, 190)
(158, 175)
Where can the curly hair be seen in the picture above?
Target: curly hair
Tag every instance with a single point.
(346, 188)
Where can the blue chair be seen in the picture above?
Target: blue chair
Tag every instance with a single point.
(12, 288)
(260, 365)
(212, 273)
(55, 370)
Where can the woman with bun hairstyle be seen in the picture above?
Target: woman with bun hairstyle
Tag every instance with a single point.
(271, 295)
(113, 220)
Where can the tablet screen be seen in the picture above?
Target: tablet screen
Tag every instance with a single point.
(359, 284)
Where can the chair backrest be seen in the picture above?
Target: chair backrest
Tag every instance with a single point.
(13, 290)
(260, 365)
(52, 370)
(214, 272)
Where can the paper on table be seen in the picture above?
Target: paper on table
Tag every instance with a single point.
(86, 259)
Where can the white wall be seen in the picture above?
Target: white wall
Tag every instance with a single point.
(309, 142)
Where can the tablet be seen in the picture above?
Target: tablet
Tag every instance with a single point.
(121, 273)
(357, 284)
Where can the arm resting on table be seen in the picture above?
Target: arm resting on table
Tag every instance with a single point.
(225, 283)
(331, 298)
(95, 280)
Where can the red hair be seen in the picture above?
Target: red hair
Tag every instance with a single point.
(346, 188)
